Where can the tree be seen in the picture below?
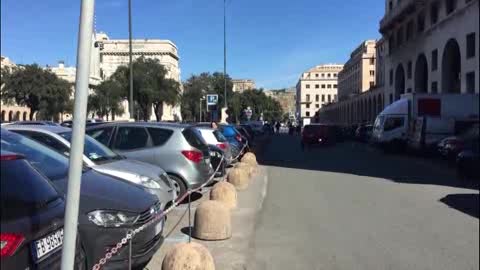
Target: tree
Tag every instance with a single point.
(258, 102)
(38, 89)
(106, 99)
(150, 86)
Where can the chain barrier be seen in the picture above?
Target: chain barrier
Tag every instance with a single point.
(129, 235)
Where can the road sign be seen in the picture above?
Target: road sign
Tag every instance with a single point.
(248, 113)
(212, 100)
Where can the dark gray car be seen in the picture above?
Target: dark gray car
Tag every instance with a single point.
(177, 148)
(109, 208)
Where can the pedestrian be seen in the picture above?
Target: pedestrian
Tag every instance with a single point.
(213, 125)
(277, 126)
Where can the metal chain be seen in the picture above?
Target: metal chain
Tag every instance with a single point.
(156, 218)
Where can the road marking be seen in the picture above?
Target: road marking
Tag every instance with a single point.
(264, 191)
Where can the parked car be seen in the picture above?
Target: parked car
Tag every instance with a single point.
(177, 148)
(216, 154)
(109, 208)
(35, 123)
(32, 215)
(468, 160)
(235, 139)
(88, 123)
(451, 146)
(248, 132)
(215, 137)
(364, 133)
(103, 160)
(318, 134)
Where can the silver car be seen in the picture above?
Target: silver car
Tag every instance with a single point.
(215, 137)
(179, 149)
(103, 160)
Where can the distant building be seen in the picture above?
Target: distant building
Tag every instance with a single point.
(242, 85)
(316, 87)
(12, 112)
(286, 98)
(109, 54)
(358, 74)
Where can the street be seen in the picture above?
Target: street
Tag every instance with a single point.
(350, 206)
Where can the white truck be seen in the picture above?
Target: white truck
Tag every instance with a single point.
(422, 120)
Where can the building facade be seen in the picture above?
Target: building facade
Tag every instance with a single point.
(286, 98)
(108, 54)
(358, 74)
(12, 112)
(316, 87)
(242, 85)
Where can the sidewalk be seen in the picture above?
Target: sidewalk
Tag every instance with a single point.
(228, 254)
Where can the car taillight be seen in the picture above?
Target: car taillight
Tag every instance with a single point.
(239, 138)
(10, 157)
(9, 242)
(194, 156)
(222, 146)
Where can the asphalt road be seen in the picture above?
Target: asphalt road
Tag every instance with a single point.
(352, 207)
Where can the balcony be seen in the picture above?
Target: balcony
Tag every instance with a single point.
(399, 12)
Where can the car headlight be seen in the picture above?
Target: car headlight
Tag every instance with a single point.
(149, 182)
(106, 218)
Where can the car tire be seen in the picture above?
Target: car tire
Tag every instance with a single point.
(182, 188)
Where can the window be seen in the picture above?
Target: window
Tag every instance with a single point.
(317, 106)
(317, 86)
(323, 86)
(335, 86)
(316, 75)
(393, 123)
(434, 60)
(195, 139)
(450, 6)
(372, 73)
(391, 77)
(335, 75)
(390, 5)
(323, 75)
(372, 84)
(159, 136)
(409, 33)
(334, 97)
(409, 70)
(308, 97)
(317, 98)
(470, 45)
(323, 98)
(400, 36)
(307, 114)
(329, 75)
(434, 13)
(421, 22)
(329, 98)
(372, 61)
(470, 81)
(329, 86)
(93, 149)
(307, 105)
(101, 134)
(46, 140)
(307, 86)
(129, 138)
(434, 89)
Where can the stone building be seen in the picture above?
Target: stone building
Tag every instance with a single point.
(240, 85)
(286, 98)
(315, 88)
(109, 54)
(358, 74)
(12, 112)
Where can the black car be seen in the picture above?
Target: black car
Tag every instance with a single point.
(468, 160)
(32, 212)
(216, 154)
(109, 207)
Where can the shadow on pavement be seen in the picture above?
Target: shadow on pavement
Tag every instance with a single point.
(360, 159)
(466, 203)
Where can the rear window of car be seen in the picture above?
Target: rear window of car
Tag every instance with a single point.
(219, 136)
(129, 138)
(159, 135)
(23, 189)
(102, 135)
(194, 138)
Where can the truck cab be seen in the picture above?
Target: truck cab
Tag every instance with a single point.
(391, 125)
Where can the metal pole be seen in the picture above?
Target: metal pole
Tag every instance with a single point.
(78, 134)
(189, 218)
(130, 253)
(130, 100)
(200, 110)
(225, 52)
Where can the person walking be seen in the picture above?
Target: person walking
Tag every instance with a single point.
(277, 127)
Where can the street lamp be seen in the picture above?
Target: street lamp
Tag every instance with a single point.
(130, 100)
(225, 52)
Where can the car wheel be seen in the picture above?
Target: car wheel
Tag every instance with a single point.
(179, 185)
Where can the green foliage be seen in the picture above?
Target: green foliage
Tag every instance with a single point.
(150, 86)
(106, 99)
(38, 89)
(258, 102)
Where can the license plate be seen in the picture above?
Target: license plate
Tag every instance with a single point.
(47, 244)
(159, 227)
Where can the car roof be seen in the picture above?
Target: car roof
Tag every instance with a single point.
(144, 124)
(53, 129)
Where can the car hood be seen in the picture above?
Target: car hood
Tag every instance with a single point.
(100, 191)
(130, 170)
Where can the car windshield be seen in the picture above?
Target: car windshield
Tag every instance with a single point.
(94, 150)
(51, 163)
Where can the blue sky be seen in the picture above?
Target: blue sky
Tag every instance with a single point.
(270, 41)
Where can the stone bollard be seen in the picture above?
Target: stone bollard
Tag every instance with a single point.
(250, 158)
(250, 169)
(239, 177)
(212, 221)
(225, 193)
(187, 256)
